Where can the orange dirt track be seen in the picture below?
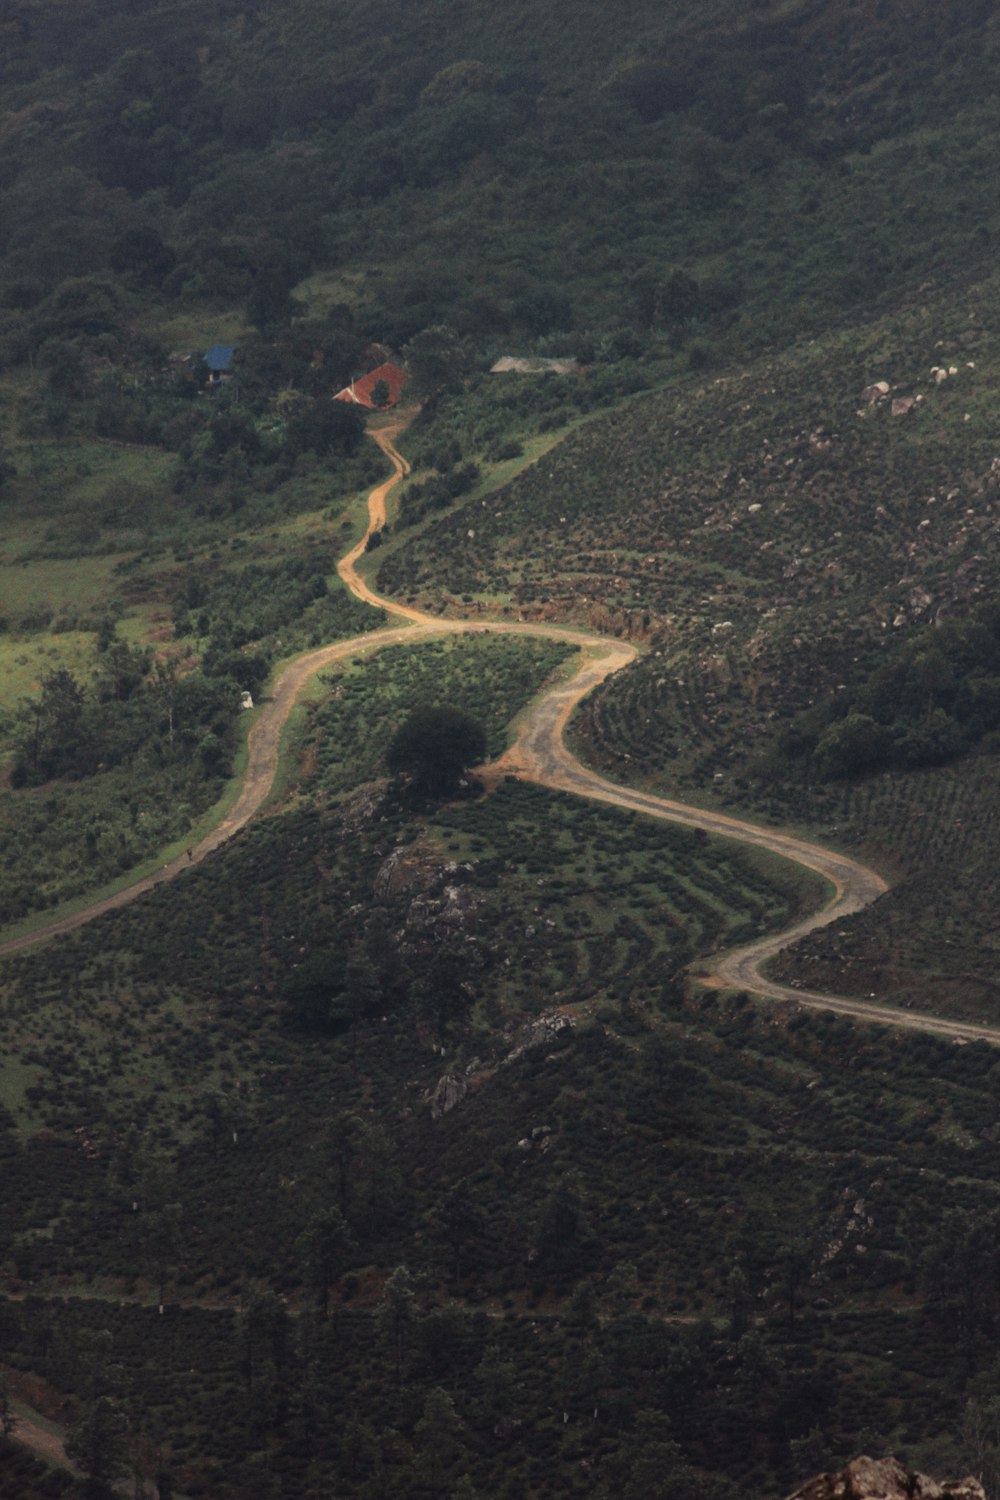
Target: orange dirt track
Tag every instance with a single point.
(539, 754)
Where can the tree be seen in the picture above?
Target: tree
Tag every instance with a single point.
(649, 1465)
(86, 305)
(440, 992)
(438, 1435)
(563, 1239)
(8, 1421)
(312, 989)
(160, 1222)
(981, 1440)
(396, 1316)
(270, 304)
(380, 1193)
(740, 1301)
(97, 1445)
(345, 1151)
(459, 1223)
(653, 88)
(435, 745)
(323, 426)
(164, 1242)
(52, 737)
(854, 745)
(326, 1245)
(793, 1265)
(263, 1333)
(163, 685)
(142, 253)
(458, 80)
(380, 394)
(436, 360)
(495, 1386)
(362, 990)
(122, 670)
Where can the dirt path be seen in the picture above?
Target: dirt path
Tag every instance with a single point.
(385, 435)
(43, 1444)
(48, 1446)
(539, 754)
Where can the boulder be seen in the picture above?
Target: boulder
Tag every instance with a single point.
(886, 1479)
(449, 1092)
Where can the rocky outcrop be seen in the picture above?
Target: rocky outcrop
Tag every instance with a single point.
(400, 873)
(446, 909)
(886, 1479)
(437, 902)
(540, 1032)
(449, 1092)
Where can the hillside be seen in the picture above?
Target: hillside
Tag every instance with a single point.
(713, 171)
(808, 559)
(391, 1150)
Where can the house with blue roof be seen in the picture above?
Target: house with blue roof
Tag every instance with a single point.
(218, 361)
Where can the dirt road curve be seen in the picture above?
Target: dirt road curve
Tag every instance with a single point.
(43, 1444)
(539, 754)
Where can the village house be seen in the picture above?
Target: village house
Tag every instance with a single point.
(218, 361)
(362, 391)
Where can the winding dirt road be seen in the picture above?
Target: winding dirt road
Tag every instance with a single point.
(539, 754)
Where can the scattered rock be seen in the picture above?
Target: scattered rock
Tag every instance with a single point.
(901, 405)
(885, 1479)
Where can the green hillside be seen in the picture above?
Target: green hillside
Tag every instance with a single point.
(392, 1150)
(812, 576)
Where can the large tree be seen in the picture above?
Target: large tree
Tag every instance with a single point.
(434, 745)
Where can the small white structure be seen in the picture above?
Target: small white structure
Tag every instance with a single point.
(246, 700)
(511, 365)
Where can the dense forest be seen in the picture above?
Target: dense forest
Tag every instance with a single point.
(394, 1150)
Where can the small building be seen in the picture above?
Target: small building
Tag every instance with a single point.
(218, 361)
(511, 364)
(360, 391)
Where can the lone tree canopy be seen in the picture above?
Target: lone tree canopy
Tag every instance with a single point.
(435, 744)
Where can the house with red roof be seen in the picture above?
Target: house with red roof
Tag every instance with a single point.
(393, 377)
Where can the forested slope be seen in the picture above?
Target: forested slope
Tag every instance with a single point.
(524, 172)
